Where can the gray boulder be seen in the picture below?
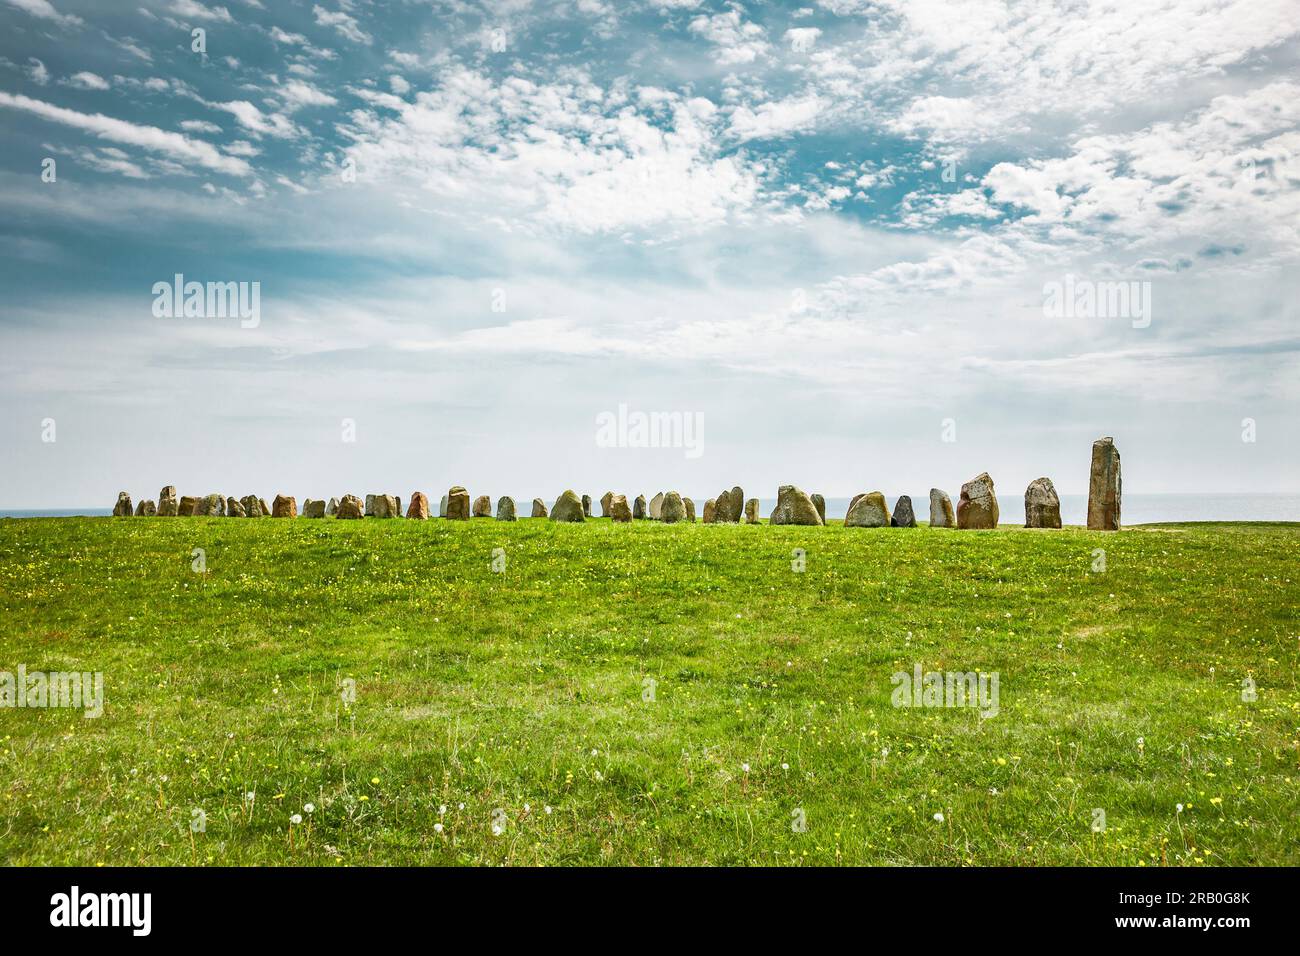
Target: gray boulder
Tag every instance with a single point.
(458, 504)
(977, 508)
(794, 506)
(868, 510)
(567, 507)
(313, 508)
(673, 508)
(941, 513)
(123, 507)
(903, 516)
(506, 508)
(539, 508)
(168, 506)
(1042, 504)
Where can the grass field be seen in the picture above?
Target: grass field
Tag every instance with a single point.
(648, 694)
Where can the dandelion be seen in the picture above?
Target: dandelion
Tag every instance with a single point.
(375, 781)
(460, 806)
(296, 819)
(745, 767)
(938, 818)
(547, 810)
(310, 808)
(442, 810)
(437, 828)
(594, 751)
(785, 766)
(1179, 807)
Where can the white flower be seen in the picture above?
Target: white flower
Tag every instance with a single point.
(527, 808)
(442, 810)
(437, 828)
(785, 766)
(310, 808)
(938, 818)
(250, 796)
(296, 819)
(497, 830)
(460, 806)
(547, 809)
(1180, 808)
(594, 751)
(745, 767)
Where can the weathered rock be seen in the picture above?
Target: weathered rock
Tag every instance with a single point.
(285, 506)
(442, 507)
(903, 516)
(977, 508)
(567, 507)
(419, 506)
(506, 508)
(351, 508)
(1042, 504)
(868, 511)
(605, 500)
(266, 509)
(386, 506)
(656, 506)
(146, 509)
(313, 508)
(710, 511)
(332, 508)
(690, 509)
(539, 508)
(820, 504)
(483, 507)
(618, 509)
(168, 507)
(854, 500)
(638, 508)
(123, 507)
(728, 506)
(1104, 486)
(673, 508)
(235, 508)
(210, 506)
(793, 506)
(457, 504)
(370, 506)
(586, 506)
(252, 506)
(751, 512)
(186, 508)
(941, 513)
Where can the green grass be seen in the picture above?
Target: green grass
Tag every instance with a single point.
(525, 690)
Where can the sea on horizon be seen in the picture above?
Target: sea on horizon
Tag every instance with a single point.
(1137, 508)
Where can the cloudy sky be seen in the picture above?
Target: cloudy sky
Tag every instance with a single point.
(827, 229)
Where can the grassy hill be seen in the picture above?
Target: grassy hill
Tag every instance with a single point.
(599, 700)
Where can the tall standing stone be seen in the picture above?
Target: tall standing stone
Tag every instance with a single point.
(820, 504)
(458, 504)
(313, 508)
(618, 509)
(285, 506)
(656, 506)
(977, 508)
(235, 507)
(370, 506)
(1104, 486)
(710, 511)
(868, 511)
(567, 507)
(123, 507)
(690, 509)
(483, 507)
(211, 506)
(586, 506)
(266, 509)
(751, 511)
(793, 506)
(332, 508)
(351, 508)
(903, 516)
(442, 507)
(252, 507)
(605, 501)
(1042, 504)
(673, 508)
(186, 508)
(146, 509)
(728, 506)
(941, 514)
(505, 508)
(168, 507)
(539, 508)
(418, 509)
(638, 508)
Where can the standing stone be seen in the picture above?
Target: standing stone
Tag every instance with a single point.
(690, 509)
(505, 508)
(186, 508)
(370, 506)
(145, 509)
(586, 506)
(710, 511)
(386, 506)
(793, 506)
(286, 506)
(656, 506)
(618, 509)
(567, 507)
(638, 508)
(313, 508)
(1042, 504)
(673, 508)
(457, 504)
(167, 505)
(820, 504)
(539, 508)
(728, 505)
(751, 511)
(419, 507)
(868, 511)
(210, 506)
(977, 508)
(903, 516)
(252, 507)
(332, 508)
(351, 508)
(123, 507)
(605, 501)
(941, 515)
(442, 507)
(235, 508)
(266, 509)
(483, 507)
(1104, 486)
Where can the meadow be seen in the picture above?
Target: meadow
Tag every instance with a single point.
(321, 692)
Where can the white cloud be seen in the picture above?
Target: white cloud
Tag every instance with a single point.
(297, 93)
(44, 10)
(88, 81)
(776, 118)
(36, 72)
(737, 40)
(259, 123)
(181, 148)
(197, 11)
(345, 24)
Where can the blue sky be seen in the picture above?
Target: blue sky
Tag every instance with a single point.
(825, 228)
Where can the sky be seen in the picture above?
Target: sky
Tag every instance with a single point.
(827, 235)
